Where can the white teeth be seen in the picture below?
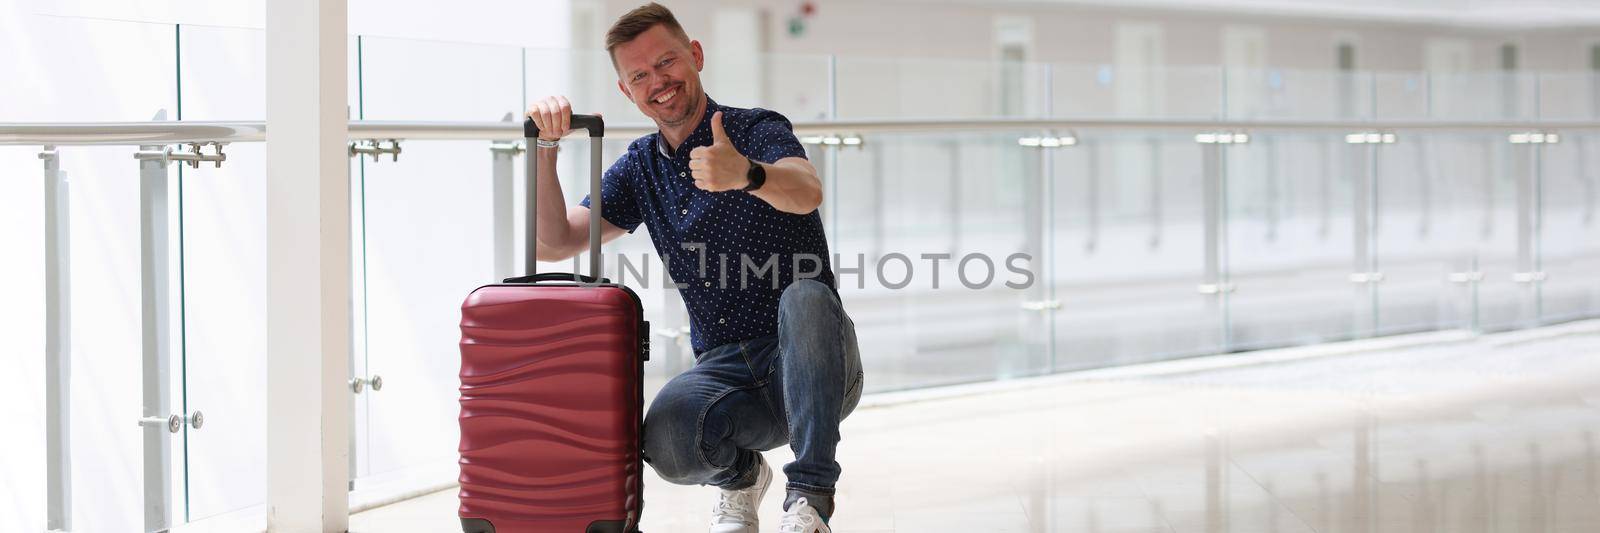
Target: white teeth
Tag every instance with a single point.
(663, 98)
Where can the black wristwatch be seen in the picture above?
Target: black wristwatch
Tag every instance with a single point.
(757, 176)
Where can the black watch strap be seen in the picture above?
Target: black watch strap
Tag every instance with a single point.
(757, 176)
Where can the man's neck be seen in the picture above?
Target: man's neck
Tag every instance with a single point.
(677, 134)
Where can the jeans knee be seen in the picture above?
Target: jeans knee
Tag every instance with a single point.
(806, 297)
(670, 442)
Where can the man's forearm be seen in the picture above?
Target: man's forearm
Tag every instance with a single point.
(554, 233)
(792, 187)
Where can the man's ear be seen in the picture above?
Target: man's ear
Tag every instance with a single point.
(699, 55)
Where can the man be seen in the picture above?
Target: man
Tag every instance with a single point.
(776, 359)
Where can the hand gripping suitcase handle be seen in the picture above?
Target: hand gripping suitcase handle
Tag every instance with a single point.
(593, 123)
(597, 130)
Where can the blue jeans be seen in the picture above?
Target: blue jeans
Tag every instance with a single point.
(707, 424)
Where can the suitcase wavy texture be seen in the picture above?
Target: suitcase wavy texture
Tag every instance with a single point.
(551, 408)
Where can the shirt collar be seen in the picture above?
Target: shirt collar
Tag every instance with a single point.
(704, 129)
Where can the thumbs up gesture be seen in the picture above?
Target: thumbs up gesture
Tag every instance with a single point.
(719, 167)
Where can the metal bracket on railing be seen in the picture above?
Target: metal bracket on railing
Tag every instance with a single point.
(1466, 277)
(1222, 137)
(376, 149)
(48, 153)
(194, 157)
(1215, 288)
(1041, 305)
(175, 423)
(834, 140)
(1528, 277)
(1366, 277)
(1535, 137)
(1049, 140)
(359, 384)
(1371, 137)
(513, 148)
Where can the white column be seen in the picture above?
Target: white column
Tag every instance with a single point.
(308, 260)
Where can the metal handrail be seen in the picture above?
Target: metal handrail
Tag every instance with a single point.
(147, 133)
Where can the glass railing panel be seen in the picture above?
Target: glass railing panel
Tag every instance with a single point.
(353, 75)
(428, 244)
(1426, 232)
(933, 88)
(1495, 164)
(1569, 95)
(360, 418)
(1078, 90)
(795, 85)
(1569, 239)
(1128, 238)
(585, 77)
(107, 453)
(404, 79)
(224, 276)
(1292, 205)
(1298, 94)
(1083, 90)
(69, 69)
(970, 198)
(22, 391)
(1401, 95)
(428, 241)
(1483, 95)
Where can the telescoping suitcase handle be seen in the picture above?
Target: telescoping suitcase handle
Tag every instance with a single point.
(597, 131)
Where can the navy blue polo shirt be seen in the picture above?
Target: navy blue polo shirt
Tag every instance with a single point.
(732, 252)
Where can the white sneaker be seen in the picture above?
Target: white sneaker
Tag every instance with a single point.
(736, 509)
(801, 518)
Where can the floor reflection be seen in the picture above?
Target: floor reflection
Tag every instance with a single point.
(1494, 435)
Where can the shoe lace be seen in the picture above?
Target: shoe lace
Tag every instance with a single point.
(795, 521)
(732, 508)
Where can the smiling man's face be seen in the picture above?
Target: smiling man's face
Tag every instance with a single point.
(661, 75)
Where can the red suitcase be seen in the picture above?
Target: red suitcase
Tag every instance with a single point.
(552, 394)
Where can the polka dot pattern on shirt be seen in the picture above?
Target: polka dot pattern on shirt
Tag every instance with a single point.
(651, 185)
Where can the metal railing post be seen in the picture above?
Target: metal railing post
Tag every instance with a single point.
(1525, 172)
(155, 270)
(58, 343)
(1363, 161)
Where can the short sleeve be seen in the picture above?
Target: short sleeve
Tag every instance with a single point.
(620, 205)
(772, 137)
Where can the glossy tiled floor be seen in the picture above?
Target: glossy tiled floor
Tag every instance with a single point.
(1494, 434)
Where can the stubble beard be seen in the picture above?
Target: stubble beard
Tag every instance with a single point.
(687, 111)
